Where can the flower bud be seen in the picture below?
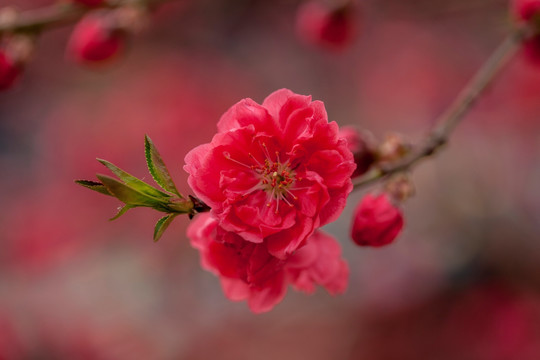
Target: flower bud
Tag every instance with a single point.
(526, 9)
(96, 38)
(9, 71)
(321, 25)
(361, 145)
(393, 148)
(376, 222)
(400, 187)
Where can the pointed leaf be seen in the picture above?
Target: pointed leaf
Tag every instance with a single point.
(127, 194)
(157, 167)
(94, 185)
(133, 182)
(162, 225)
(122, 211)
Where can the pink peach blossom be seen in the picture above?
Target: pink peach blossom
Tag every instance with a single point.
(248, 272)
(274, 172)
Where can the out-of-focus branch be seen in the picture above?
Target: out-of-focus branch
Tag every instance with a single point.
(453, 115)
(56, 15)
(39, 19)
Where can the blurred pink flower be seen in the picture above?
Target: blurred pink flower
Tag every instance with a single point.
(494, 321)
(274, 172)
(248, 272)
(95, 39)
(333, 28)
(9, 71)
(525, 9)
(376, 222)
(41, 230)
(482, 320)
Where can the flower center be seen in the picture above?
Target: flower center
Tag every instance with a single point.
(276, 178)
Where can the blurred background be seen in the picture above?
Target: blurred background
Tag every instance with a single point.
(462, 281)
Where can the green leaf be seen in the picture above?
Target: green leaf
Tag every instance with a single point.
(122, 211)
(94, 185)
(133, 182)
(162, 225)
(157, 167)
(129, 195)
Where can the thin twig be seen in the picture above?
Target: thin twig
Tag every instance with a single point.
(50, 16)
(454, 114)
(59, 14)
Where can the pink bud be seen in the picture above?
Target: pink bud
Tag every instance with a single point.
(526, 9)
(9, 71)
(376, 222)
(95, 39)
(332, 28)
(361, 146)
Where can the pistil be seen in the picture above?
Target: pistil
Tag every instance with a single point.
(275, 177)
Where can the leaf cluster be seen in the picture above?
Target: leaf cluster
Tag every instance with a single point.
(134, 192)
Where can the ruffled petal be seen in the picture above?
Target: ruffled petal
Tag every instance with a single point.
(264, 298)
(244, 113)
(319, 262)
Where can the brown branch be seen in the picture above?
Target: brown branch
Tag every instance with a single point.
(453, 115)
(59, 14)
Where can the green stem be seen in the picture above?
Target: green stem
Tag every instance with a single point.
(448, 121)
